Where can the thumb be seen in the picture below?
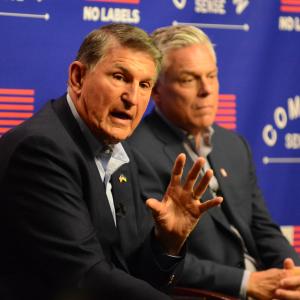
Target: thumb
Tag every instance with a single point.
(288, 264)
(154, 205)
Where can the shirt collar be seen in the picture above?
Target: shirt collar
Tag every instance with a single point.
(206, 137)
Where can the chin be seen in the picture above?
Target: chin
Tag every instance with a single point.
(114, 139)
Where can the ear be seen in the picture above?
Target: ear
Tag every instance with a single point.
(155, 94)
(77, 72)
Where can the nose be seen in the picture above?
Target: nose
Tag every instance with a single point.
(204, 88)
(130, 95)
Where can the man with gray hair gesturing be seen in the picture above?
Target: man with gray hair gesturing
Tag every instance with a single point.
(72, 208)
(236, 248)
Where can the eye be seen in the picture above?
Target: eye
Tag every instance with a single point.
(186, 79)
(145, 85)
(119, 77)
(212, 75)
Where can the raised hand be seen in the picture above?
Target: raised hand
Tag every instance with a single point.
(180, 209)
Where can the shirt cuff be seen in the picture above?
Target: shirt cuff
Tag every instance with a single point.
(244, 284)
(166, 261)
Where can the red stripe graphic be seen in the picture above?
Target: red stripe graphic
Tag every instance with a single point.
(10, 122)
(290, 2)
(292, 9)
(227, 104)
(226, 113)
(24, 115)
(230, 126)
(290, 6)
(296, 241)
(16, 99)
(4, 129)
(17, 92)
(16, 105)
(226, 118)
(116, 1)
(227, 97)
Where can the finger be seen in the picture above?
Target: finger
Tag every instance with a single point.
(287, 294)
(288, 263)
(177, 169)
(155, 206)
(290, 282)
(193, 174)
(203, 184)
(203, 207)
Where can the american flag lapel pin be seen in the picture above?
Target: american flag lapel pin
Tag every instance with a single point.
(122, 178)
(223, 172)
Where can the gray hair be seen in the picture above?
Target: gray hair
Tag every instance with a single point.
(179, 36)
(99, 40)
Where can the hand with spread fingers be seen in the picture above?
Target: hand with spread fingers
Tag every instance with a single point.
(180, 209)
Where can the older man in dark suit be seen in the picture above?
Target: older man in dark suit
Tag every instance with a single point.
(72, 211)
(236, 248)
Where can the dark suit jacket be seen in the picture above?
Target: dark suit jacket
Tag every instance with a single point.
(56, 226)
(215, 260)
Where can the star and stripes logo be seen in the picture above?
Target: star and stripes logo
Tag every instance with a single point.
(292, 233)
(226, 113)
(16, 105)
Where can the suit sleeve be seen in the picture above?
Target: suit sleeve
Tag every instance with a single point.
(48, 229)
(272, 246)
(206, 274)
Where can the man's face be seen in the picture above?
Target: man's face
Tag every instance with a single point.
(187, 92)
(113, 95)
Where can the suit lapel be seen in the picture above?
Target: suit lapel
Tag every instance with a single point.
(222, 171)
(171, 141)
(97, 203)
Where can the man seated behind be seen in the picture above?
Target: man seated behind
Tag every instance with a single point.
(72, 209)
(236, 248)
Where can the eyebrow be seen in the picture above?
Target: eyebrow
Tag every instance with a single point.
(188, 72)
(127, 72)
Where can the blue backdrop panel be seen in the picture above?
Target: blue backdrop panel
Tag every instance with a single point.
(257, 44)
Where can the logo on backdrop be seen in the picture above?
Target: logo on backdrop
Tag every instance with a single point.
(216, 7)
(290, 21)
(16, 105)
(274, 133)
(27, 15)
(180, 4)
(111, 14)
(240, 5)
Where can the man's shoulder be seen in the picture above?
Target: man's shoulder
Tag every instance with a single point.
(43, 125)
(222, 134)
(145, 133)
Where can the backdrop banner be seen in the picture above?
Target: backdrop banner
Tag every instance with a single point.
(257, 44)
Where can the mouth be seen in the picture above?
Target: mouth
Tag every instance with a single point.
(122, 115)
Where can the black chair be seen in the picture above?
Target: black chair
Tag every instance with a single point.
(183, 293)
